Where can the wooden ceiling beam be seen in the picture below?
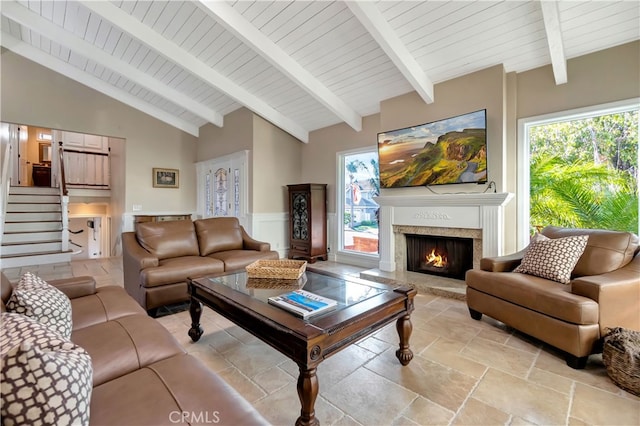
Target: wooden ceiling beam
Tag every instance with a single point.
(241, 28)
(174, 53)
(374, 22)
(551, 17)
(40, 57)
(48, 29)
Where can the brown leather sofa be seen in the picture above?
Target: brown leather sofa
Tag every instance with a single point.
(604, 292)
(141, 374)
(159, 256)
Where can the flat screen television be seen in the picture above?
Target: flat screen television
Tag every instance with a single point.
(453, 150)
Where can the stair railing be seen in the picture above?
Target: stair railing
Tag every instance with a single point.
(5, 181)
(62, 178)
(64, 200)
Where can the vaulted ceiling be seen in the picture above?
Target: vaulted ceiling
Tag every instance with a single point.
(301, 65)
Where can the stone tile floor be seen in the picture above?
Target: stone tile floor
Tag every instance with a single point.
(464, 372)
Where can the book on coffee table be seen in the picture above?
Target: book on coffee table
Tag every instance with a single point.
(303, 303)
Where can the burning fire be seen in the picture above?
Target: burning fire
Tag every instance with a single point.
(436, 260)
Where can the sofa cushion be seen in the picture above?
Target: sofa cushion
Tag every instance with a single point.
(164, 392)
(45, 379)
(553, 259)
(606, 251)
(106, 304)
(35, 298)
(235, 260)
(176, 270)
(168, 239)
(218, 234)
(538, 294)
(125, 344)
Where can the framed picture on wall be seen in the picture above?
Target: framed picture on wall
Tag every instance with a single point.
(166, 178)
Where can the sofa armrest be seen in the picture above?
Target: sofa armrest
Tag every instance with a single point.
(505, 263)
(617, 294)
(135, 258)
(75, 287)
(134, 254)
(249, 243)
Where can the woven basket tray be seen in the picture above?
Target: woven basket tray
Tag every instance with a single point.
(282, 268)
(621, 356)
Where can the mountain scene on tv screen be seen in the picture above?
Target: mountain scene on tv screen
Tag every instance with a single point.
(443, 152)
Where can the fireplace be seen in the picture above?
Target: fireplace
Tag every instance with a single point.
(474, 215)
(437, 255)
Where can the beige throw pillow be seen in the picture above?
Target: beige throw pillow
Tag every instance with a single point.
(553, 259)
(36, 298)
(45, 379)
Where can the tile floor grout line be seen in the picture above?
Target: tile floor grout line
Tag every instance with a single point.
(464, 403)
(594, 403)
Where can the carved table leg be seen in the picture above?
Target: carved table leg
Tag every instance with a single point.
(195, 309)
(404, 327)
(307, 392)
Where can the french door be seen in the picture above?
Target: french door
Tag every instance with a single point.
(223, 186)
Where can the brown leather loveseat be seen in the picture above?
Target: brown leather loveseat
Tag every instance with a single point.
(603, 292)
(141, 374)
(159, 256)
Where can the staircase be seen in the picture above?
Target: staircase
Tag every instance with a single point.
(33, 228)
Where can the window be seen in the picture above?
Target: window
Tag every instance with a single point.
(359, 183)
(580, 169)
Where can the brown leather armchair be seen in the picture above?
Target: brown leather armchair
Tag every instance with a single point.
(604, 292)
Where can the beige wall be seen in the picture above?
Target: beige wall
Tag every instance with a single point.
(480, 90)
(236, 135)
(274, 156)
(35, 96)
(277, 159)
(276, 164)
(601, 77)
(606, 76)
(320, 154)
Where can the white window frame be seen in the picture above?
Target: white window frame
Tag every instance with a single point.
(349, 257)
(524, 126)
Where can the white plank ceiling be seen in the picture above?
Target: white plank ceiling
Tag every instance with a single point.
(301, 65)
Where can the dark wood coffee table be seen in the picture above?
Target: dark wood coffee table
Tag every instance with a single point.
(363, 307)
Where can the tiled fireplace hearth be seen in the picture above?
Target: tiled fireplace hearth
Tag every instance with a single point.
(478, 216)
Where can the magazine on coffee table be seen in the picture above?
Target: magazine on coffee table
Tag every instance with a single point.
(303, 303)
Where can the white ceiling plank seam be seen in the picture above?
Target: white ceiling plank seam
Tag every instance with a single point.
(374, 22)
(176, 54)
(38, 56)
(551, 17)
(236, 24)
(36, 23)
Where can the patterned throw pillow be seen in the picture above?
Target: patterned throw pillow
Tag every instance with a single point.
(44, 379)
(553, 259)
(36, 298)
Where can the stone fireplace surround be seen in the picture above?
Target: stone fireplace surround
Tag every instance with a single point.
(469, 215)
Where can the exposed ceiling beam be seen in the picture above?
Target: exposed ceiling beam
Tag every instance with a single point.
(172, 52)
(61, 67)
(551, 17)
(372, 19)
(36, 23)
(244, 30)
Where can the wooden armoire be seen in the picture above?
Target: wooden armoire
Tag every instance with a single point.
(308, 221)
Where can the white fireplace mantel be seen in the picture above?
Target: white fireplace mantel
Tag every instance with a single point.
(482, 211)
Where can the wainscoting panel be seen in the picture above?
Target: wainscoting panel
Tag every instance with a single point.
(272, 228)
